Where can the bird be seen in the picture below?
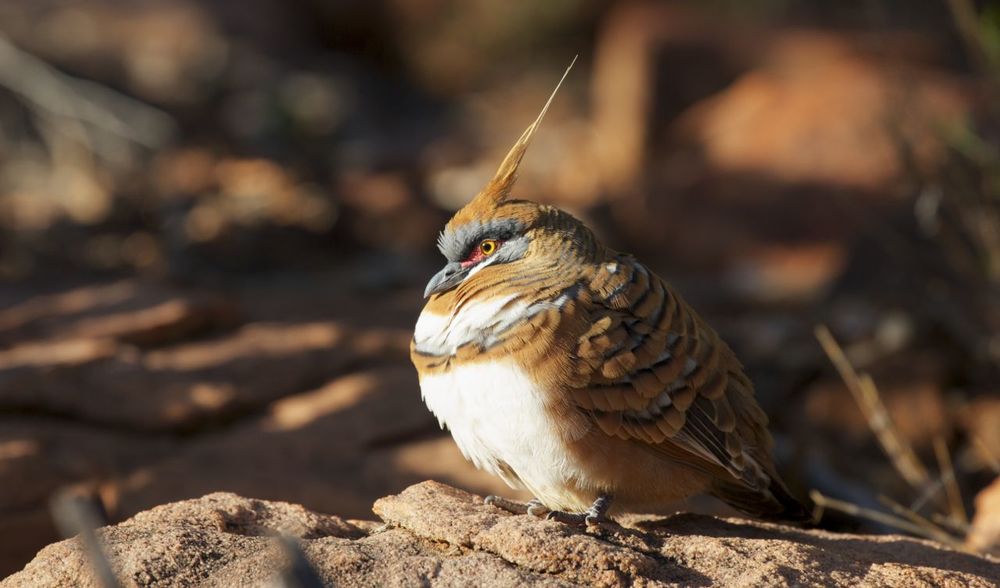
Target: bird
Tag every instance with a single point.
(574, 372)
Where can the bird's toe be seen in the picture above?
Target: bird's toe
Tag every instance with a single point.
(567, 518)
(511, 506)
(537, 509)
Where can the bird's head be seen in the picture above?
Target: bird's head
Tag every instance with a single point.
(494, 230)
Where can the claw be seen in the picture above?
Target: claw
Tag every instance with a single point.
(537, 509)
(593, 516)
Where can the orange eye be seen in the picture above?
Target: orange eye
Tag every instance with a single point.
(488, 247)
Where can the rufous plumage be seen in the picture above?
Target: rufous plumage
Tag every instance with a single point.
(574, 372)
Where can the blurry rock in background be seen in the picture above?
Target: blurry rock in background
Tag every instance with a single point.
(984, 535)
(216, 219)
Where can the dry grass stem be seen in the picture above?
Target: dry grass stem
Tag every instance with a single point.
(951, 524)
(865, 393)
(955, 504)
(930, 529)
(928, 494)
(101, 112)
(986, 454)
(854, 510)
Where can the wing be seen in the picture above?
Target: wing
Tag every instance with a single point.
(650, 370)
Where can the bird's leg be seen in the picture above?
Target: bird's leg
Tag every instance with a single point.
(533, 507)
(595, 515)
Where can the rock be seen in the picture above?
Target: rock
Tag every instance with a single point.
(984, 535)
(438, 535)
(128, 311)
(183, 385)
(819, 109)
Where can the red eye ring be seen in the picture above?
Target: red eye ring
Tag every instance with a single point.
(486, 248)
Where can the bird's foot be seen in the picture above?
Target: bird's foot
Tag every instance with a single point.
(533, 507)
(593, 516)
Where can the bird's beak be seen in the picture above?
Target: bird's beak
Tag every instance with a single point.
(446, 279)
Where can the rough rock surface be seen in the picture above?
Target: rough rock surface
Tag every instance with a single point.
(438, 535)
(984, 535)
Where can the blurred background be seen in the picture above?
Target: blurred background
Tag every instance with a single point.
(217, 218)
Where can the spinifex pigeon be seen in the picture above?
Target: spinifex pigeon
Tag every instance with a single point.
(574, 372)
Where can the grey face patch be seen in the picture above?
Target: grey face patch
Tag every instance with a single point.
(512, 249)
(455, 245)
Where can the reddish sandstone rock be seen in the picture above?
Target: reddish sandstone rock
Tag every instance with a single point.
(441, 536)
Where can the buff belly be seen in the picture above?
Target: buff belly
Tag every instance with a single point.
(498, 420)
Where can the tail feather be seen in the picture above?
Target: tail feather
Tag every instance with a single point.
(773, 503)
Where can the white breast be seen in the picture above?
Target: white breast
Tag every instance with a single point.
(495, 413)
(494, 410)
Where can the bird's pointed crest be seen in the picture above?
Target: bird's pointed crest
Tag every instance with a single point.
(498, 189)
